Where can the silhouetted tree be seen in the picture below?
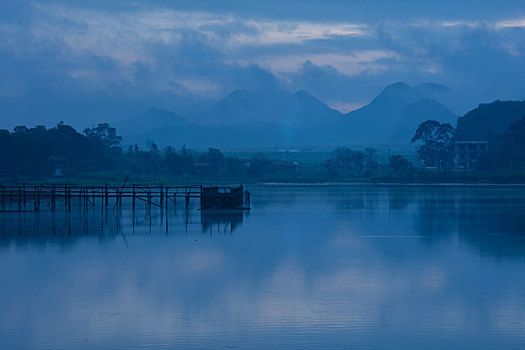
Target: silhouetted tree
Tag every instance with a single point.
(399, 165)
(104, 134)
(37, 152)
(344, 160)
(436, 144)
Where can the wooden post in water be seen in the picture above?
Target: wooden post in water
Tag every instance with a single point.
(133, 199)
(38, 198)
(166, 211)
(247, 200)
(161, 198)
(69, 199)
(53, 226)
(53, 203)
(19, 199)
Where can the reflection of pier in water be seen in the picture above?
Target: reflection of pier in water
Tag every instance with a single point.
(107, 223)
(221, 221)
(76, 211)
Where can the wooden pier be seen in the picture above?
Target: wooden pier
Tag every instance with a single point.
(31, 197)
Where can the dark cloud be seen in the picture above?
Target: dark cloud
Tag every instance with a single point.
(323, 10)
(89, 61)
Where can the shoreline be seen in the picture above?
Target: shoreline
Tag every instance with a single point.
(398, 184)
(236, 182)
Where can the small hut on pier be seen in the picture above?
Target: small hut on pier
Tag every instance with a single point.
(215, 197)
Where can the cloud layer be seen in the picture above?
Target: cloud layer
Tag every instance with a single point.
(93, 61)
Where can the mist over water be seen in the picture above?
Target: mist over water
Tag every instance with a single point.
(371, 267)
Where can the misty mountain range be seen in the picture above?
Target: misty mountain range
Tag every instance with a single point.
(277, 118)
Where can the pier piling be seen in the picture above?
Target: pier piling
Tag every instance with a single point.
(17, 196)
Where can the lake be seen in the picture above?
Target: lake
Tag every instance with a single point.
(309, 267)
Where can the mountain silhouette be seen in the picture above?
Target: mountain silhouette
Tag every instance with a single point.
(269, 107)
(277, 118)
(393, 116)
(417, 113)
(132, 129)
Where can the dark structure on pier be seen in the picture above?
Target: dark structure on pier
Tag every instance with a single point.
(224, 198)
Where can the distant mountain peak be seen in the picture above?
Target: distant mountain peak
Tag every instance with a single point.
(418, 112)
(157, 112)
(397, 86)
(422, 90)
(399, 107)
(276, 117)
(395, 95)
(268, 107)
(301, 93)
(153, 117)
(435, 86)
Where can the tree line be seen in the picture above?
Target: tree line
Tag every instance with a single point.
(39, 152)
(435, 148)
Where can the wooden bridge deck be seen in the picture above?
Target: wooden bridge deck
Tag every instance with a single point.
(22, 196)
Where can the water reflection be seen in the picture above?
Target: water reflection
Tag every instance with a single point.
(65, 226)
(222, 221)
(309, 267)
(488, 218)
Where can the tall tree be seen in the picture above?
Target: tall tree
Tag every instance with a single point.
(104, 134)
(436, 144)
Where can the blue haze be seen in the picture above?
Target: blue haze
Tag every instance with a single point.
(87, 62)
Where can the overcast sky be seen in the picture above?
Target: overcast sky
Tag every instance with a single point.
(87, 60)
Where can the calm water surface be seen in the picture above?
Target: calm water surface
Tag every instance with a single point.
(340, 267)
